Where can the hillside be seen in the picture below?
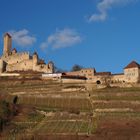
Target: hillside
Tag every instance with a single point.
(47, 109)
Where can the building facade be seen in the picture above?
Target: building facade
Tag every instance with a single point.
(132, 72)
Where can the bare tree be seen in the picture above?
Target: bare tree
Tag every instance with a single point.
(76, 67)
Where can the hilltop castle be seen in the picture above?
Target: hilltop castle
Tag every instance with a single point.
(11, 60)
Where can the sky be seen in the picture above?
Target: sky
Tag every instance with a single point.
(100, 34)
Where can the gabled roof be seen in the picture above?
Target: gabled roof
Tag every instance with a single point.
(133, 64)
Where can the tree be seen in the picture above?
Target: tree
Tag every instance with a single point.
(76, 67)
(58, 70)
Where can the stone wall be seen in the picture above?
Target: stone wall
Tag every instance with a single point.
(43, 68)
(27, 64)
(24, 65)
(16, 58)
(118, 78)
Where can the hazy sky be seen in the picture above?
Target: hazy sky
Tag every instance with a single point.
(104, 34)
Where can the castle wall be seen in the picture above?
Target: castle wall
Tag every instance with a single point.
(16, 58)
(95, 79)
(118, 78)
(13, 61)
(24, 64)
(42, 68)
(21, 66)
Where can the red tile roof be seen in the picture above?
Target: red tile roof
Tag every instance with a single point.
(133, 64)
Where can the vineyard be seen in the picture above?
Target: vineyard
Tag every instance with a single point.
(48, 111)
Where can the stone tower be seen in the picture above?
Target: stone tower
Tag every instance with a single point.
(35, 59)
(51, 67)
(7, 44)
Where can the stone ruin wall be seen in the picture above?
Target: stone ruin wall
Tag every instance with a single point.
(42, 68)
(13, 61)
(16, 58)
(24, 65)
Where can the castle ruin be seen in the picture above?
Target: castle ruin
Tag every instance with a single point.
(11, 60)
